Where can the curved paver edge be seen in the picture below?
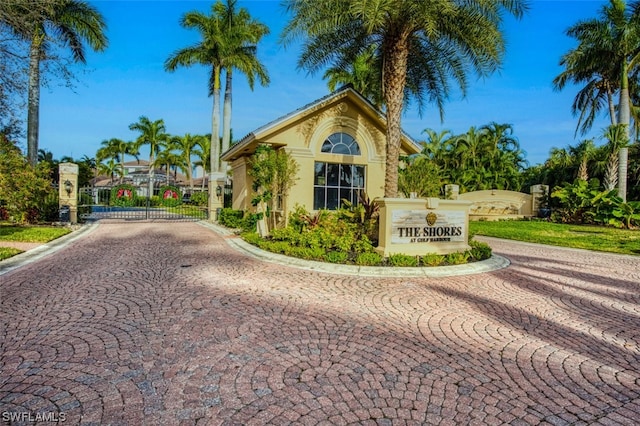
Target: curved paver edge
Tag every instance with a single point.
(492, 264)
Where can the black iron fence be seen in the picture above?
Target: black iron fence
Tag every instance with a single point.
(122, 202)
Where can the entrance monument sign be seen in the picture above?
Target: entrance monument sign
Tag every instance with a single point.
(420, 226)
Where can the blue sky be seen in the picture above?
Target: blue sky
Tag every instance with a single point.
(128, 80)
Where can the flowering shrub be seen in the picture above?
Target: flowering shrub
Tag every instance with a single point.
(170, 196)
(123, 195)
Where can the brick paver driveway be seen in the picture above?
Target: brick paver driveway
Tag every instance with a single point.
(163, 323)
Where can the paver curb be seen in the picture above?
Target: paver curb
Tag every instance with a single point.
(39, 252)
(492, 264)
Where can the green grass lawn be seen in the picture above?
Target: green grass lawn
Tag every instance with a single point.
(596, 238)
(31, 234)
(7, 252)
(27, 234)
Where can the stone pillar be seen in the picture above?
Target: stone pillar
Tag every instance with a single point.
(68, 189)
(537, 192)
(451, 191)
(216, 180)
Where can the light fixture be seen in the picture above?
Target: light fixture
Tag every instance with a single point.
(68, 186)
(218, 191)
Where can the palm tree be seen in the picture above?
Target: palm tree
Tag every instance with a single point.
(610, 46)
(186, 145)
(583, 152)
(244, 34)
(72, 23)
(617, 140)
(109, 168)
(152, 133)
(118, 149)
(228, 42)
(364, 75)
(421, 45)
(203, 153)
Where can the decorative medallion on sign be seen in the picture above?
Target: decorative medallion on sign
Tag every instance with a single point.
(431, 218)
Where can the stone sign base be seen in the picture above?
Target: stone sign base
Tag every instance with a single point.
(417, 226)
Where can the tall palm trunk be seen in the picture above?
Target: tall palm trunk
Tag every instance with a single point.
(122, 167)
(612, 106)
(395, 55)
(215, 122)
(214, 154)
(152, 171)
(226, 116)
(33, 109)
(624, 118)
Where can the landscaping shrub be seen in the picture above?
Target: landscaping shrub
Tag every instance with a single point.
(231, 218)
(399, 259)
(368, 259)
(456, 258)
(479, 251)
(23, 188)
(199, 198)
(432, 259)
(336, 257)
(327, 236)
(583, 203)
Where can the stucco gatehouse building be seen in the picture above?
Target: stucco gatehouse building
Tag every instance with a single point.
(339, 143)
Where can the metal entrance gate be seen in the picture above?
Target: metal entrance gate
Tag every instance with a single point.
(97, 203)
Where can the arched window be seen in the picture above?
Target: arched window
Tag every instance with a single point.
(340, 143)
(334, 182)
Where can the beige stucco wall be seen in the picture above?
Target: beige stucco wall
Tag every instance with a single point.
(498, 204)
(303, 139)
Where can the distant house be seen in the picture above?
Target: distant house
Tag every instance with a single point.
(136, 173)
(339, 143)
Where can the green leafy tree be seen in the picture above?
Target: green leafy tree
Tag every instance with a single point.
(421, 45)
(23, 187)
(73, 24)
(274, 173)
(420, 175)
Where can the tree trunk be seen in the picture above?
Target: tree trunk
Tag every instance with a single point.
(395, 54)
(214, 154)
(612, 107)
(215, 123)
(122, 167)
(33, 109)
(226, 117)
(624, 118)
